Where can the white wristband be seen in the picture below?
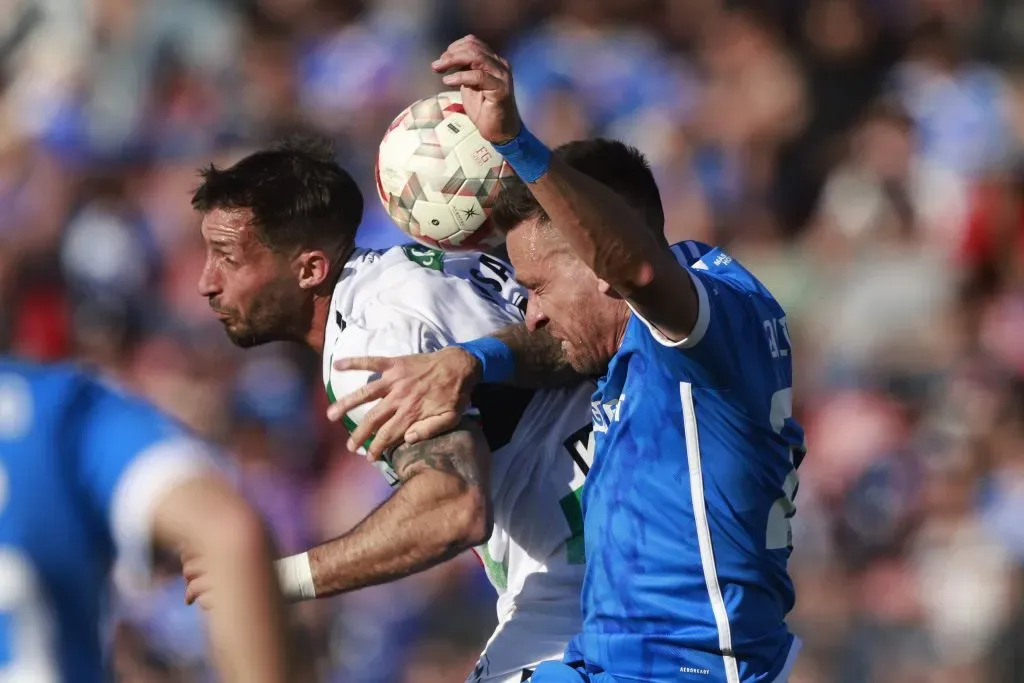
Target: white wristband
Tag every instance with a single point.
(296, 577)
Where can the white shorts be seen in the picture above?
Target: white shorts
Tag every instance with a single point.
(520, 643)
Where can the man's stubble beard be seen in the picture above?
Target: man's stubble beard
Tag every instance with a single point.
(274, 319)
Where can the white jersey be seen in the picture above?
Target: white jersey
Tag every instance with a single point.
(413, 299)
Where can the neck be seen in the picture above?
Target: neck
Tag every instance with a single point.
(314, 337)
(621, 323)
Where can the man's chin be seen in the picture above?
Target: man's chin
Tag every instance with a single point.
(583, 363)
(243, 339)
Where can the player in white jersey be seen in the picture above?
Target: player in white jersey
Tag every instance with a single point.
(281, 265)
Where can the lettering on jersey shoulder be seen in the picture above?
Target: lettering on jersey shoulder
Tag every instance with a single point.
(424, 256)
(492, 273)
(490, 279)
(606, 413)
(723, 259)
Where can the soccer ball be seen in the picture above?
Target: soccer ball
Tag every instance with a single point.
(438, 178)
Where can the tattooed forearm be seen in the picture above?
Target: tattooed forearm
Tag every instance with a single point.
(539, 358)
(442, 507)
(453, 453)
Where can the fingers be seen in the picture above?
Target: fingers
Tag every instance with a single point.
(371, 423)
(191, 570)
(364, 394)
(390, 434)
(198, 591)
(430, 427)
(470, 53)
(472, 79)
(370, 363)
(470, 58)
(191, 593)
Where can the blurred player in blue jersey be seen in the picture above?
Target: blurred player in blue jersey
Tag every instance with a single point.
(688, 504)
(88, 475)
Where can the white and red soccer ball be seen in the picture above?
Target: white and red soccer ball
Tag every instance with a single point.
(438, 178)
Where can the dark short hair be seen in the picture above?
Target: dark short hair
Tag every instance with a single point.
(298, 195)
(622, 168)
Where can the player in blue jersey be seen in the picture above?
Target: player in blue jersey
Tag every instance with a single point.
(88, 474)
(688, 504)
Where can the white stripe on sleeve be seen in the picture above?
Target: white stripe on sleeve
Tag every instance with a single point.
(152, 474)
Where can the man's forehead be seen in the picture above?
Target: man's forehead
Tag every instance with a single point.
(531, 245)
(228, 226)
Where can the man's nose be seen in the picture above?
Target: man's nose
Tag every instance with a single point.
(208, 284)
(535, 318)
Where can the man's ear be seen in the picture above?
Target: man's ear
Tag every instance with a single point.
(606, 289)
(312, 267)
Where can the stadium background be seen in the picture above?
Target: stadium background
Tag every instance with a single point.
(861, 156)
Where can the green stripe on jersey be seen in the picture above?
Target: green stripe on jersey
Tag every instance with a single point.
(572, 508)
(350, 424)
(496, 571)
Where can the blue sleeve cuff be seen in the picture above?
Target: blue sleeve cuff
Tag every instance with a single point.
(496, 359)
(529, 157)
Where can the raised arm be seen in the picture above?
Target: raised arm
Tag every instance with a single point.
(610, 237)
(442, 507)
(601, 227)
(424, 395)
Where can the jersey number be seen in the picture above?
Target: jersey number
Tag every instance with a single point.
(581, 449)
(772, 329)
(27, 651)
(780, 529)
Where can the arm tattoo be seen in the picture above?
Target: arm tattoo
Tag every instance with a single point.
(431, 518)
(452, 453)
(539, 358)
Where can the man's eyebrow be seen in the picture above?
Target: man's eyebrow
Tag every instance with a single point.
(526, 282)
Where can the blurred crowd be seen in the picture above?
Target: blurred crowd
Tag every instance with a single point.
(865, 158)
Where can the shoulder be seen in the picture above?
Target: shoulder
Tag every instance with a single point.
(458, 296)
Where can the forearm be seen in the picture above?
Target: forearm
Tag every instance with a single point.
(539, 360)
(423, 524)
(600, 226)
(246, 624)
(246, 613)
(442, 508)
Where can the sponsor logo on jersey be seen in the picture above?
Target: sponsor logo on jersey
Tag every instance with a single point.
(424, 256)
(606, 413)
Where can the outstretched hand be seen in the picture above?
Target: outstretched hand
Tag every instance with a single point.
(485, 82)
(419, 397)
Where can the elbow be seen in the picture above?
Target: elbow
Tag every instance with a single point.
(642, 275)
(472, 519)
(628, 276)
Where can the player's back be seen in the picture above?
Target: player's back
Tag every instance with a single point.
(692, 485)
(54, 555)
(79, 466)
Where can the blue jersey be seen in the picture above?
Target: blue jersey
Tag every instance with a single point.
(688, 504)
(81, 467)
